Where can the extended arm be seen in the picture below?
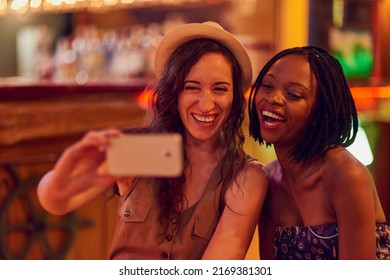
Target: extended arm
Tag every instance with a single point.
(75, 178)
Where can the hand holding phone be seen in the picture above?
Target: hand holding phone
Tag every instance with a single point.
(146, 155)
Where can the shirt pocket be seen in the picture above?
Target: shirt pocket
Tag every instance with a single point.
(134, 211)
(205, 227)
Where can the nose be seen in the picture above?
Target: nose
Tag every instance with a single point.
(275, 97)
(206, 101)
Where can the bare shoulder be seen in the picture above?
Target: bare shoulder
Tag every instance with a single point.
(350, 189)
(254, 170)
(341, 161)
(343, 170)
(252, 178)
(247, 192)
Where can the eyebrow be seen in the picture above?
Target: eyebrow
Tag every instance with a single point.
(217, 83)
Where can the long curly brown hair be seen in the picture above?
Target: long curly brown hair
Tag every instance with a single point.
(166, 119)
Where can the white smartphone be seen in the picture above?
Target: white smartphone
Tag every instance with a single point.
(146, 155)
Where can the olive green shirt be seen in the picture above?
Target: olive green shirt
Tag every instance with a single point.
(139, 236)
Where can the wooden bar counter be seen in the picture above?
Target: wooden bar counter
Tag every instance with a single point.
(38, 120)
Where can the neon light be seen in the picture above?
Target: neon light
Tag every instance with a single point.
(361, 149)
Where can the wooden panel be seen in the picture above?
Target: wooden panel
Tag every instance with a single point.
(28, 120)
(29, 232)
(33, 134)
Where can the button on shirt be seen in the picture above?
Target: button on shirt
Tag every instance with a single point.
(138, 234)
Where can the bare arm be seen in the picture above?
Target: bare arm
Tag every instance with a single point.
(266, 231)
(75, 178)
(237, 224)
(351, 194)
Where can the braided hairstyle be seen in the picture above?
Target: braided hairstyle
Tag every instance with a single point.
(335, 120)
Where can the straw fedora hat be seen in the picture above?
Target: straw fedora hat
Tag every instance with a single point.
(212, 30)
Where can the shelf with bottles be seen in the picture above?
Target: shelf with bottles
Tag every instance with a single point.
(113, 46)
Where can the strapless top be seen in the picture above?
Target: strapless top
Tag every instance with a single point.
(320, 242)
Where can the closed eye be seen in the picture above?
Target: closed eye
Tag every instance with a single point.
(191, 88)
(293, 95)
(267, 86)
(221, 90)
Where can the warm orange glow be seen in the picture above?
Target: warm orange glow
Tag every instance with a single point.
(247, 94)
(28, 6)
(366, 97)
(143, 99)
(370, 92)
(293, 23)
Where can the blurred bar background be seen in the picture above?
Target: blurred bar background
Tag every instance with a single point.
(70, 66)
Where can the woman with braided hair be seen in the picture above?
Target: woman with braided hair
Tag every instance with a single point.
(322, 202)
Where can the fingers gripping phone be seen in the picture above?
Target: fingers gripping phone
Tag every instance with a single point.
(146, 155)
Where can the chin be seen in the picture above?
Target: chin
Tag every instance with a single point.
(202, 137)
(268, 138)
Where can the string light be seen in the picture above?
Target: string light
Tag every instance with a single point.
(25, 6)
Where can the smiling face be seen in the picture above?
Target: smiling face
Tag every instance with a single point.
(207, 97)
(285, 101)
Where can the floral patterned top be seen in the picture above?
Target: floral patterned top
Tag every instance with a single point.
(320, 242)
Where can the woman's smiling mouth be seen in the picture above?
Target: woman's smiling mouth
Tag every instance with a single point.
(271, 119)
(204, 119)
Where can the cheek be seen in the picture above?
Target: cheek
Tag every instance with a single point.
(227, 106)
(181, 105)
(301, 116)
(229, 103)
(257, 101)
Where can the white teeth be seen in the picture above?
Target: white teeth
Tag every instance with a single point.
(204, 119)
(272, 115)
